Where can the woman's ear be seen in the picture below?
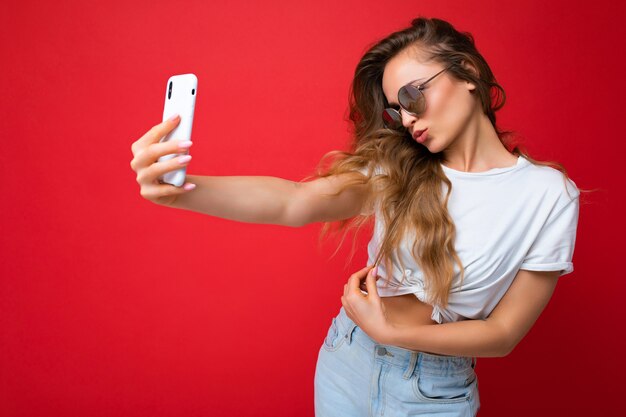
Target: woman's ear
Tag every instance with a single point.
(470, 68)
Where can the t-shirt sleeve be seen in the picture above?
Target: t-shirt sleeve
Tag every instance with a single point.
(363, 170)
(377, 170)
(553, 248)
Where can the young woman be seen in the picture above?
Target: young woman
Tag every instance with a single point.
(469, 237)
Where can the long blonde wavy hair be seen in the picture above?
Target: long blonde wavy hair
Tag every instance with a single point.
(409, 187)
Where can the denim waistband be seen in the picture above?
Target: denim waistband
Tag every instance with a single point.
(410, 360)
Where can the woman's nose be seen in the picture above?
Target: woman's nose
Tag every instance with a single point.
(407, 119)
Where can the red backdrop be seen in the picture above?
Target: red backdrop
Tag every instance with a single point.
(113, 306)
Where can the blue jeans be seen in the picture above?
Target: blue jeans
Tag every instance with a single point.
(357, 377)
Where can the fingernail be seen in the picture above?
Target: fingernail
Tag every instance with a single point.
(184, 144)
(376, 270)
(174, 117)
(189, 186)
(183, 159)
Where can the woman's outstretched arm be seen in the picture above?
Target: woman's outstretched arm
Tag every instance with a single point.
(497, 335)
(250, 199)
(273, 200)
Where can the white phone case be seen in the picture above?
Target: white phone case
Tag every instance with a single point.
(180, 97)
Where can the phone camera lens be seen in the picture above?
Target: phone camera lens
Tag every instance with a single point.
(193, 91)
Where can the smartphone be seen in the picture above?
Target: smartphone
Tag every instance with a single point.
(180, 98)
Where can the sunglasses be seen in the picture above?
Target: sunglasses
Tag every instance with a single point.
(411, 99)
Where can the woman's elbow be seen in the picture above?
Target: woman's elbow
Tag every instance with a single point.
(508, 344)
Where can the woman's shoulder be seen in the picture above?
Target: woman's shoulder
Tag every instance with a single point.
(549, 181)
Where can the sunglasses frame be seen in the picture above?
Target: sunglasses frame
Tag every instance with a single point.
(419, 88)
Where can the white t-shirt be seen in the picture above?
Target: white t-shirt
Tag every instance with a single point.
(511, 218)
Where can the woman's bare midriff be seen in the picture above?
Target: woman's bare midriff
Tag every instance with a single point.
(407, 309)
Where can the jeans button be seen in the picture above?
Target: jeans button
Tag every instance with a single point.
(382, 351)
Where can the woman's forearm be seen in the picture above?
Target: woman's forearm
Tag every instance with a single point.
(479, 338)
(498, 334)
(249, 199)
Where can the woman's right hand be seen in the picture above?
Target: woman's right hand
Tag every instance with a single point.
(146, 152)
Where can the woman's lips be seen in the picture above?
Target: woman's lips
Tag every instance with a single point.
(421, 137)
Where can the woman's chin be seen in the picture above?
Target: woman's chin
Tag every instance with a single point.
(429, 144)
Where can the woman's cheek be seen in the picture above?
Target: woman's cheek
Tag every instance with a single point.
(450, 113)
(439, 105)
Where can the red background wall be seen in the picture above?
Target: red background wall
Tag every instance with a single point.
(112, 306)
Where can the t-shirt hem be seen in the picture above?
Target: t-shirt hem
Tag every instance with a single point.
(417, 292)
(564, 267)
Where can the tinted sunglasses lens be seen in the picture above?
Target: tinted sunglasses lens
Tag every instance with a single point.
(412, 99)
(392, 119)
